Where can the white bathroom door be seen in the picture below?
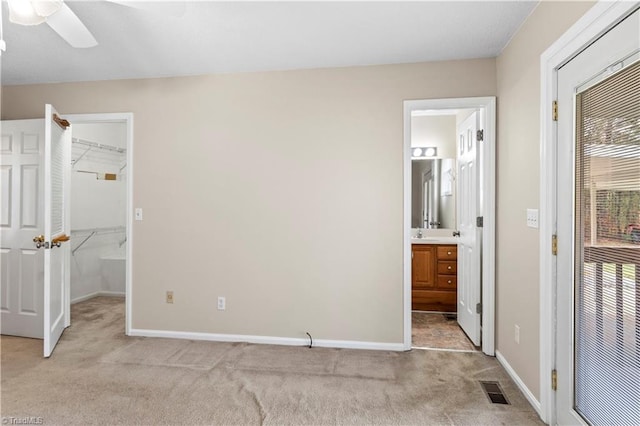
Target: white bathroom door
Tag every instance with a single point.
(21, 219)
(57, 177)
(469, 279)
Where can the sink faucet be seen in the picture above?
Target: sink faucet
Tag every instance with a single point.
(419, 232)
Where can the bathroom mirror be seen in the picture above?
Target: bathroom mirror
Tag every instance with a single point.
(433, 198)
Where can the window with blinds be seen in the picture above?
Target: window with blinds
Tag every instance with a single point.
(607, 263)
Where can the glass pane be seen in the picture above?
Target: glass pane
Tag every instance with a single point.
(607, 332)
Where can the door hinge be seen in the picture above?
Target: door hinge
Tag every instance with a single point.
(554, 379)
(554, 108)
(480, 135)
(554, 245)
(478, 308)
(480, 221)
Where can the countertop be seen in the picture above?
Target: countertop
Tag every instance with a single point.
(435, 240)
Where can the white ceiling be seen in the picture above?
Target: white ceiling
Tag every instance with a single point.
(224, 37)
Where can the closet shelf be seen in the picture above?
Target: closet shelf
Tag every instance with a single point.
(95, 231)
(97, 145)
(94, 151)
(107, 230)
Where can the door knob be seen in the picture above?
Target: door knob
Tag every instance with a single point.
(456, 233)
(39, 240)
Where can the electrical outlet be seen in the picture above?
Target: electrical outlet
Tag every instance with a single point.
(138, 213)
(169, 297)
(517, 334)
(532, 218)
(222, 303)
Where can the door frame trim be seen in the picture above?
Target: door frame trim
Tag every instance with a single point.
(488, 107)
(598, 20)
(126, 117)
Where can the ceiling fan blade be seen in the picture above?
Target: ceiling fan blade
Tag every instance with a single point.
(171, 8)
(46, 7)
(70, 27)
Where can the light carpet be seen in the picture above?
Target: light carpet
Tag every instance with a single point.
(97, 375)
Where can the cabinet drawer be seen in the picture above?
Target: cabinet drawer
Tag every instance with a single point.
(447, 267)
(447, 252)
(447, 282)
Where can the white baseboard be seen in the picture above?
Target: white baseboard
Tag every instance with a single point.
(518, 381)
(96, 294)
(267, 340)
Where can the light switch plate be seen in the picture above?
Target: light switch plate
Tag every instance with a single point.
(138, 213)
(532, 218)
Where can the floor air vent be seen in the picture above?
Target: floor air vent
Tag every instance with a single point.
(494, 392)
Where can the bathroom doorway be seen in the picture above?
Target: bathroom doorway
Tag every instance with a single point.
(449, 235)
(100, 221)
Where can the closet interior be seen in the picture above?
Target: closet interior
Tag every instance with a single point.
(98, 210)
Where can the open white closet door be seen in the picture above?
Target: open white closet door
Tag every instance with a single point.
(469, 259)
(57, 177)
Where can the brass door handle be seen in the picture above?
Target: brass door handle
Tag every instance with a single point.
(57, 241)
(61, 238)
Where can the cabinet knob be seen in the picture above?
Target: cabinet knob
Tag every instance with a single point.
(449, 267)
(449, 253)
(449, 282)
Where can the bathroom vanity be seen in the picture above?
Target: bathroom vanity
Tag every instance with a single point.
(434, 278)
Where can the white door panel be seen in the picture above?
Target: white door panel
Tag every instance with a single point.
(21, 219)
(469, 278)
(57, 169)
(601, 59)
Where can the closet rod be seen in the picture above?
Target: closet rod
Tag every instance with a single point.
(105, 147)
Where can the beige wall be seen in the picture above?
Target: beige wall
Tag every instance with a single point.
(518, 75)
(281, 191)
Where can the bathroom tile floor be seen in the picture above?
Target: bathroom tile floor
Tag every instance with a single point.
(438, 331)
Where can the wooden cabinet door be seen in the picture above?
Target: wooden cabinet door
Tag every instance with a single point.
(423, 266)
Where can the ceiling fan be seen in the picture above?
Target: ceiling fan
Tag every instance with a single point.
(66, 23)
